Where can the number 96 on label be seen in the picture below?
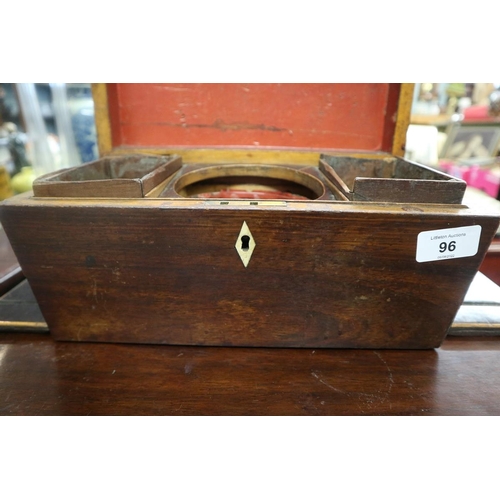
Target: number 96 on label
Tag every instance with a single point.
(452, 243)
(447, 247)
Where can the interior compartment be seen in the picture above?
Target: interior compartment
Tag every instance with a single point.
(390, 179)
(270, 182)
(131, 176)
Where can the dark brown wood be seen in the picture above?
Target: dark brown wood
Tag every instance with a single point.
(10, 270)
(392, 180)
(479, 315)
(42, 377)
(323, 274)
(341, 190)
(406, 190)
(111, 177)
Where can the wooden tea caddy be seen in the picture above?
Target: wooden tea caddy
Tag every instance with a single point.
(353, 259)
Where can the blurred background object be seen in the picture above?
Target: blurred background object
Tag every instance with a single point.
(23, 180)
(5, 184)
(45, 126)
(455, 127)
(494, 105)
(459, 120)
(81, 107)
(67, 143)
(454, 91)
(42, 157)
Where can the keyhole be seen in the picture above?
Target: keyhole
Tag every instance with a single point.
(245, 240)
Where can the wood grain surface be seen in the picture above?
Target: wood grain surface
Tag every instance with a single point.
(10, 271)
(39, 376)
(133, 176)
(390, 180)
(402, 118)
(102, 121)
(321, 275)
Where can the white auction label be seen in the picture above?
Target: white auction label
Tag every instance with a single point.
(452, 243)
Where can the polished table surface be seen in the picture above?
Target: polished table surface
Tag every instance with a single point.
(39, 376)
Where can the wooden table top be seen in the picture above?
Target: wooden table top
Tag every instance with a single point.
(39, 376)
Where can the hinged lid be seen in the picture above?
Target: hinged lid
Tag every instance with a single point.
(265, 122)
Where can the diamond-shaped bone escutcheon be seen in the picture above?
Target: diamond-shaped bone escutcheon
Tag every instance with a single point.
(245, 244)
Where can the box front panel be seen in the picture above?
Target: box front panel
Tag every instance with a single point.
(165, 274)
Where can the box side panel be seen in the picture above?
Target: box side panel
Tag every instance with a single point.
(408, 191)
(171, 275)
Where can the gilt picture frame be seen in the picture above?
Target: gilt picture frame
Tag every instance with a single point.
(466, 142)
